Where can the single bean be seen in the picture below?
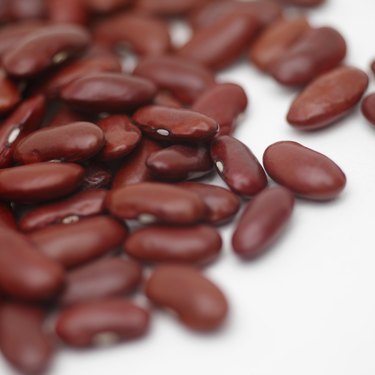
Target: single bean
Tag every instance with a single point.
(368, 108)
(7, 218)
(168, 7)
(9, 94)
(96, 177)
(67, 11)
(106, 6)
(165, 99)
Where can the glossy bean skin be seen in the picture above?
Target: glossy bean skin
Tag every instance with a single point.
(173, 124)
(74, 244)
(105, 6)
(168, 7)
(23, 340)
(25, 273)
(238, 166)
(183, 78)
(156, 202)
(328, 98)
(9, 94)
(368, 108)
(317, 51)
(72, 209)
(198, 303)
(307, 173)
(108, 92)
(39, 182)
(196, 245)
(67, 11)
(102, 278)
(96, 177)
(7, 218)
(44, 48)
(262, 222)
(102, 322)
(179, 163)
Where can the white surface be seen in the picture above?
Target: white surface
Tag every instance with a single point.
(308, 307)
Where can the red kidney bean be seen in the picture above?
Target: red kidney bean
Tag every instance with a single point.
(96, 177)
(328, 98)
(262, 222)
(108, 92)
(102, 278)
(168, 7)
(106, 6)
(102, 322)
(25, 273)
(368, 108)
(223, 102)
(67, 11)
(305, 172)
(175, 124)
(179, 162)
(74, 244)
(184, 79)
(23, 340)
(315, 52)
(220, 44)
(276, 40)
(198, 244)
(39, 182)
(70, 210)
(9, 94)
(165, 99)
(238, 166)
(154, 202)
(221, 203)
(198, 303)
(24, 9)
(7, 219)
(44, 48)
(65, 115)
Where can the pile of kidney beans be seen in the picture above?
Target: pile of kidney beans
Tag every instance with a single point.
(96, 163)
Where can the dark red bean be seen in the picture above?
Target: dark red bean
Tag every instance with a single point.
(70, 210)
(74, 244)
(175, 124)
(39, 182)
(23, 340)
(165, 99)
(25, 273)
(155, 202)
(25, 9)
(7, 218)
(105, 6)
(102, 278)
(67, 11)
(238, 166)
(198, 303)
(305, 172)
(262, 222)
(9, 94)
(168, 7)
(198, 244)
(96, 177)
(102, 322)
(368, 108)
(65, 115)
(328, 98)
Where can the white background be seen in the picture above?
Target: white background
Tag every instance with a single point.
(308, 307)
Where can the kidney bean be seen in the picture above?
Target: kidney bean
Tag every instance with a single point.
(315, 52)
(368, 108)
(168, 7)
(184, 79)
(237, 166)
(23, 340)
(273, 43)
(106, 6)
(9, 94)
(220, 44)
(65, 115)
(198, 244)
(24, 9)
(108, 92)
(39, 182)
(102, 322)
(175, 124)
(67, 11)
(102, 278)
(328, 98)
(96, 177)
(44, 48)
(77, 243)
(70, 210)
(198, 303)
(223, 102)
(25, 273)
(156, 202)
(165, 99)
(7, 219)
(305, 172)
(262, 222)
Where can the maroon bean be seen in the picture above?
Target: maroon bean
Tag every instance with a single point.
(102, 322)
(9, 94)
(105, 6)
(74, 244)
(262, 222)
(155, 202)
(67, 11)
(25, 273)
(315, 52)
(328, 98)
(175, 124)
(70, 210)
(65, 115)
(25, 9)
(165, 99)
(39, 182)
(198, 303)
(102, 278)
(168, 7)
(238, 166)
(305, 172)
(198, 244)
(96, 177)
(7, 219)
(108, 92)
(368, 108)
